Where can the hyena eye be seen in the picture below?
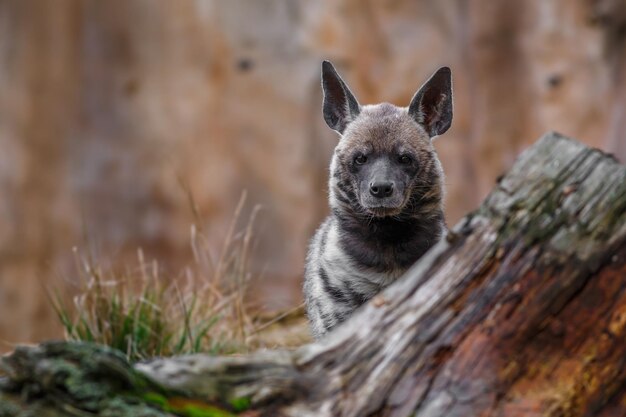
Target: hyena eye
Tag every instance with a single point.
(405, 159)
(360, 159)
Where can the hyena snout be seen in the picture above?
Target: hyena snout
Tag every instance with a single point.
(383, 198)
(382, 186)
(382, 183)
(379, 194)
(382, 189)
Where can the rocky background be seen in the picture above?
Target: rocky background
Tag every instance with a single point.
(110, 110)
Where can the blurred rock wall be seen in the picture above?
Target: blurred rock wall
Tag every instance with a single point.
(107, 107)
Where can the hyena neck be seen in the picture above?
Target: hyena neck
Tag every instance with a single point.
(387, 244)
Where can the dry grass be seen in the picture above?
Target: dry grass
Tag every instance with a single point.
(146, 314)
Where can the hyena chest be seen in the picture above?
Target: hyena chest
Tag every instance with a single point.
(337, 284)
(356, 285)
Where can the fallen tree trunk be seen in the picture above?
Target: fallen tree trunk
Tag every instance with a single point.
(520, 312)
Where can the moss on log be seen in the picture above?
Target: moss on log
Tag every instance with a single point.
(521, 311)
(83, 379)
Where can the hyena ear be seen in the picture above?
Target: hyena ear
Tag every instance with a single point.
(431, 106)
(340, 107)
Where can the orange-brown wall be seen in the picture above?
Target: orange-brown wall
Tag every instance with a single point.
(106, 107)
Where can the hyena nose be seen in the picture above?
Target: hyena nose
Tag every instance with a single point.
(381, 189)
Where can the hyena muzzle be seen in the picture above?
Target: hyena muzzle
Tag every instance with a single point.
(385, 196)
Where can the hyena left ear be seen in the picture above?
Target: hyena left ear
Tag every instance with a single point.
(340, 107)
(431, 106)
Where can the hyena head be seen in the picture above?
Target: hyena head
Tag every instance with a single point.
(385, 164)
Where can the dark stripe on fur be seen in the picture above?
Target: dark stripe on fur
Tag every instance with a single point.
(346, 189)
(335, 293)
(357, 298)
(341, 316)
(326, 320)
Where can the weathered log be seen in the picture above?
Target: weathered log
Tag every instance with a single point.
(521, 311)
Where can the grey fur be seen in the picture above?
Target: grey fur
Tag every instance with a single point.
(370, 240)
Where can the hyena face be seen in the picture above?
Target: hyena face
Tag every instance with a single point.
(380, 158)
(385, 164)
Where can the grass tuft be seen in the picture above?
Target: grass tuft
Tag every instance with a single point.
(145, 314)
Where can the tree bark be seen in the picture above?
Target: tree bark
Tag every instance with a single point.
(521, 311)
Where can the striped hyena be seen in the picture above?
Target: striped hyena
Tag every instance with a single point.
(385, 196)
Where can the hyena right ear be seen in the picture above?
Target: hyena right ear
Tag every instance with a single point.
(340, 107)
(431, 106)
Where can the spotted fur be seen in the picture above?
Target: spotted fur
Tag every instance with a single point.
(367, 243)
